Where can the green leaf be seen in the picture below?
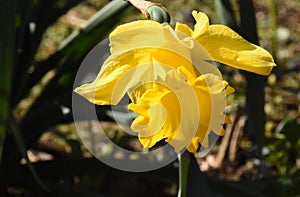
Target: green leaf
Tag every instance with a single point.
(73, 49)
(39, 16)
(225, 12)
(7, 46)
(67, 60)
(291, 128)
(13, 128)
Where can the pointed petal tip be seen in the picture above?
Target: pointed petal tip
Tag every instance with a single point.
(78, 90)
(202, 23)
(229, 90)
(194, 12)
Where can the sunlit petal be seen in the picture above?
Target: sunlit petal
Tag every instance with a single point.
(227, 47)
(202, 24)
(131, 35)
(183, 28)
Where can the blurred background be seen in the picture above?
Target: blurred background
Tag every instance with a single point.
(42, 46)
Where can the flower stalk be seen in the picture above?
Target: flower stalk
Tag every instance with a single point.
(184, 161)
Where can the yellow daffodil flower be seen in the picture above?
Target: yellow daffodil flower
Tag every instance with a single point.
(176, 91)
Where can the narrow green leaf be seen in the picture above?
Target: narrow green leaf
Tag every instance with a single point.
(7, 46)
(12, 126)
(33, 19)
(67, 60)
(225, 13)
(75, 46)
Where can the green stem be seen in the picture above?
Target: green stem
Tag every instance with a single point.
(184, 160)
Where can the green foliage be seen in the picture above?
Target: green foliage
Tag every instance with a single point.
(7, 45)
(226, 13)
(284, 147)
(21, 73)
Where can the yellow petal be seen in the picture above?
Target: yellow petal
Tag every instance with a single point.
(138, 34)
(160, 127)
(227, 120)
(157, 116)
(226, 46)
(202, 24)
(220, 131)
(194, 145)
(183, 28)
(116, 77)
(229, 90)
(121, 73)
(189, 76)
(101, 90)
(209, 83)
(228, 103)
(134, 25)
(156, 119)
(141, 111)
(132, 35)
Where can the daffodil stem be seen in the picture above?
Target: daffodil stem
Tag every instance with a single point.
(184, 160)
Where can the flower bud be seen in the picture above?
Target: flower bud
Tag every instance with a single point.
(159, 14)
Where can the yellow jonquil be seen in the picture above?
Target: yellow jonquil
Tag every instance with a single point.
(176, 91)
